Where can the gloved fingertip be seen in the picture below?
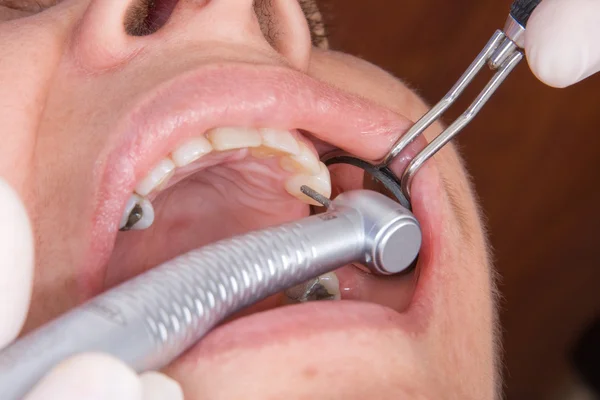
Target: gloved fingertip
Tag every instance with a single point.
(16, 263)
(157, 386)
(89, 376)
(551, 70)
(560, 41)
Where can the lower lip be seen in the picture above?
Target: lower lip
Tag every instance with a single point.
(297, 321)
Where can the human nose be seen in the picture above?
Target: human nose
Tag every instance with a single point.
(114, 31)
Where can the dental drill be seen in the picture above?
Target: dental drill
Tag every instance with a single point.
(149, 321)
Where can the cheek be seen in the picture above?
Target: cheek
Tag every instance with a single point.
(367, 80)
(30, 51)
(463, 322)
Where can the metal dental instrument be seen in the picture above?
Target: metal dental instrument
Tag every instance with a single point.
(502, 54)
(150, 320)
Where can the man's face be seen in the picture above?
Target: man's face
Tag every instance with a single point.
(104, 99)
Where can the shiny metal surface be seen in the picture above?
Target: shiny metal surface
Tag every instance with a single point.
(316, 196)
(301, 292)
(449, 133)
(383, 175)
(419, 127)
(514, 31)
(502, 53)
(150, 320)
(393, 233)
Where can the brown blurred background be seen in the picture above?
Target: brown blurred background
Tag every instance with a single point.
(534, 153)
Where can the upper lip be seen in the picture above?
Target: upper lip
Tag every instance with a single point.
(226, 95)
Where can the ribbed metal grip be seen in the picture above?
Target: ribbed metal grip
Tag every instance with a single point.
(150, 320)
(204, 286)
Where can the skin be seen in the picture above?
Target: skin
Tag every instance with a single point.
(72, 67)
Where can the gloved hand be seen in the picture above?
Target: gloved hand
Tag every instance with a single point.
(86, 376)
(562, 41)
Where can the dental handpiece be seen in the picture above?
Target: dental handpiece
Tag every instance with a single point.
(150, 320)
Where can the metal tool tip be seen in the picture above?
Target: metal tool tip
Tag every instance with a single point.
(316, 196)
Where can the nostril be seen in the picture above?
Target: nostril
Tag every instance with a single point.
(267, 20)
(144, 17)
(316, 23)
(273, 23)
(285, 26)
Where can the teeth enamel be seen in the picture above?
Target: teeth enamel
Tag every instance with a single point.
(147, 213)
(331, 283)
(233, 138)
(295, 157)
(263, 152)
(159, 175)
(279, 141)
(321, 182)
(190, 151)
(305, 161)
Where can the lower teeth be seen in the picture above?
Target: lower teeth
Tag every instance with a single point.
(324, 287)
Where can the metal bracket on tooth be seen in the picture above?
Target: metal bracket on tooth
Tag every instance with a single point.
(134, 216)
(312, 290)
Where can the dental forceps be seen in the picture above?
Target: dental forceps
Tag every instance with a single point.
(502, 54)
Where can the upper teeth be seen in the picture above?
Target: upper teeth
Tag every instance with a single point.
(295, 157)
(279, 142)
(233, 138)
(159, 175)
(191, 150)
(304, 161)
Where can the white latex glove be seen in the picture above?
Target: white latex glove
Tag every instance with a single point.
(86, 376)
(562, 41)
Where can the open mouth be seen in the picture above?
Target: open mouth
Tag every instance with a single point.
(224, 151)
